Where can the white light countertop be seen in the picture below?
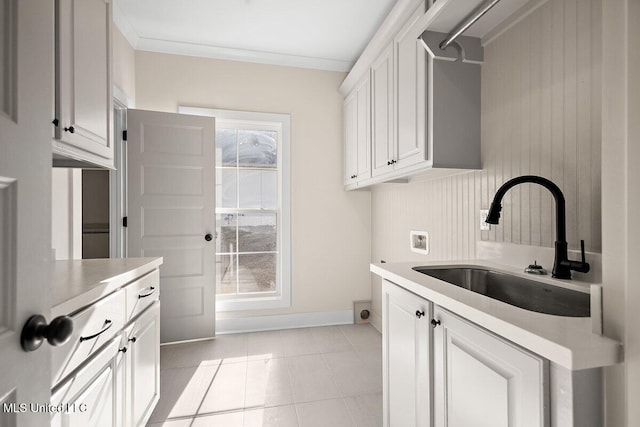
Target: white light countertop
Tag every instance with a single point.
(567, 341)
(78, 283)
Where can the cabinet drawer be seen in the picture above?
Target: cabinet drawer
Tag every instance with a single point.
(142, 293)
(92, 328)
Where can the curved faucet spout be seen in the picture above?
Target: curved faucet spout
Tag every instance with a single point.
(562, 265)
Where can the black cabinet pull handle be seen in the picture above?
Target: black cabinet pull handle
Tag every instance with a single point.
(419, 313)
(388, 162)
(134, 339)
(123, 349)
(107, 322)
(147, 294)
(435, 322)
(70, 129)
(208, 237)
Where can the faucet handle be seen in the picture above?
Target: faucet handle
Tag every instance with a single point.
(584, 261)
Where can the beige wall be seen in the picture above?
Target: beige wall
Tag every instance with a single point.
(124, 66)
(330, 227)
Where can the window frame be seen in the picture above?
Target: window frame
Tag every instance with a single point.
(282, 296)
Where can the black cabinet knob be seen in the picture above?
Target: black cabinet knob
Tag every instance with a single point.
(419, 313)
(435, 322)
(208, 237)
(36, 330)
(70, 129)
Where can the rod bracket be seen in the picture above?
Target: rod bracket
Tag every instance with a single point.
(464, 49)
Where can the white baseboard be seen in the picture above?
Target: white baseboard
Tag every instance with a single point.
(283, 321)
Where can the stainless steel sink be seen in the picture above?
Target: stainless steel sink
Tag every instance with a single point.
(528, 294)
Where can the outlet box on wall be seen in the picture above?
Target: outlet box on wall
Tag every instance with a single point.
(419, 242)
(361, 311)
(483, 220)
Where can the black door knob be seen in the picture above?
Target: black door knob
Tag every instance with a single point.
(36, 330)
(208, 237)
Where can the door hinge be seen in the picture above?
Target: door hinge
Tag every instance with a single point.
(124, 135)
(125, 221)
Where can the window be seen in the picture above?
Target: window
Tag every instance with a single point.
(252, 209)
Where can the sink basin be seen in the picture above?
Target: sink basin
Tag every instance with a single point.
(528, 294)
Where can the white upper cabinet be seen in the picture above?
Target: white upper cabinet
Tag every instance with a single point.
(382, 114)
(425, 106)
(83, 105)
(357, 133)
(411, 97)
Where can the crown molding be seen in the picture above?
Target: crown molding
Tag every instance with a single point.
(207, 51)
(120, 20)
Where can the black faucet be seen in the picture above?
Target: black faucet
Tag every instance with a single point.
(562, 266)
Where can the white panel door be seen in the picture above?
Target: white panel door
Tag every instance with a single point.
(406, 358)
(171, 195)
(484, 381)
(26, 92)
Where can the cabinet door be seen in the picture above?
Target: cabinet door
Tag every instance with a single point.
(406, 358)
(364, 129)
(411, 91)
(350, 111)
(144, 365)
(382, 140)
(83, 81)
(88, 397)
(482, 380)
(357, 128)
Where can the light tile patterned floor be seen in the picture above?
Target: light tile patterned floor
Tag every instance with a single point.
(328, 376)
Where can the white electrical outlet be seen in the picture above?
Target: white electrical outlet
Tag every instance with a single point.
(419, 242)
(483, 218)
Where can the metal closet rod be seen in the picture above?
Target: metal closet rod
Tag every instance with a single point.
(464, 25)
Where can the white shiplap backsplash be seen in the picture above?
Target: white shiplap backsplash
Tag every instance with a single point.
(541, 86)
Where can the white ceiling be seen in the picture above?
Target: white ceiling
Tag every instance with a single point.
(323, 34)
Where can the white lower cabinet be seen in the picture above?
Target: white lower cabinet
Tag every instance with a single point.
(441, 370)
(482, 380)
(88, 398)
(143, 367)
(108, 374)
(406, 337)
